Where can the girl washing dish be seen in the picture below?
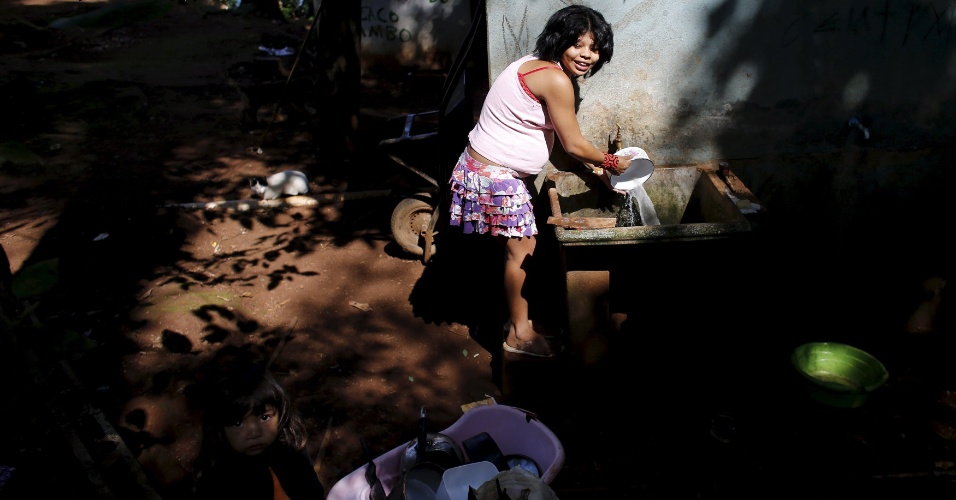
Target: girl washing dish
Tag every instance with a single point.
(529, 103)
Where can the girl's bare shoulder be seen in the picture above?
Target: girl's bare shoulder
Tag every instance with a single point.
(536, 64)
(545, 78)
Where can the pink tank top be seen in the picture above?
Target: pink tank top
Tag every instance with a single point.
(514, 129)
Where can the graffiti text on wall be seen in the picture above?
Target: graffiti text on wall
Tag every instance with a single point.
(515, 40)
(892, 22)
(381, 23)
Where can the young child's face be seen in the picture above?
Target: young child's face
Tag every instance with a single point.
(254, 433)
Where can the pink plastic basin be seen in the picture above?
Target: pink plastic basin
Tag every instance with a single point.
(516, 431)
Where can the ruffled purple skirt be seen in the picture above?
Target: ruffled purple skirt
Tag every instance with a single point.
(490, 199)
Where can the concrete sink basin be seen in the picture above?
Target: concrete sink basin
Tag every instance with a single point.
(702, 209)
(695, 202)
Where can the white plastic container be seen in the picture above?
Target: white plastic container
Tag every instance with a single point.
(640, 170)
(455, 481)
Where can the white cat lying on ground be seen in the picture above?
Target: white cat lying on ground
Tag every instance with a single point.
(290, 182)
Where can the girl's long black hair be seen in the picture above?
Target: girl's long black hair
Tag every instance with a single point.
(567, 25)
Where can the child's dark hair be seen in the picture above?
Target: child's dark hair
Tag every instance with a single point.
(567, 25)
(250, 389)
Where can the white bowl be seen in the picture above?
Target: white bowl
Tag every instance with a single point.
(639, 171)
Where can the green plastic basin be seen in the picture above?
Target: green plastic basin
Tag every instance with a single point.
(838, 374)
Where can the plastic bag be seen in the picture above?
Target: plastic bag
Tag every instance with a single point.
(515, 484)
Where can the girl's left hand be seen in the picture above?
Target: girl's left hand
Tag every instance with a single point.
(606, 179)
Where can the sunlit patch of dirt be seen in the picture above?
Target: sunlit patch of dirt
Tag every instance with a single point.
(134, 122)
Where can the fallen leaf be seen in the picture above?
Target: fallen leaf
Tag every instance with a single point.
(360, 305)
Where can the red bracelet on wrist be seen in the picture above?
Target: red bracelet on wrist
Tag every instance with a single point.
(610, 161)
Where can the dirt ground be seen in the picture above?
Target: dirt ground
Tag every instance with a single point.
(127, 120)
(106, 132)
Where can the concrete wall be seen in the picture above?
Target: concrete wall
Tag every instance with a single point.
(417, 34)
(702, 79)
(770, 85)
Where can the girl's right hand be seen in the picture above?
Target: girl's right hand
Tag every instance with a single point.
(622, 165)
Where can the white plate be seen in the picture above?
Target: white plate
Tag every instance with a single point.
(637, 173)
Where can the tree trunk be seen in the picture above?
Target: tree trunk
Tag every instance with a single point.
(337, 52)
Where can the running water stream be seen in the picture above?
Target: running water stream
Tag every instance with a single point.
(637, 195)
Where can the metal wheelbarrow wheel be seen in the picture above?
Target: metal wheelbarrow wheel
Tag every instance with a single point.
(410, 222)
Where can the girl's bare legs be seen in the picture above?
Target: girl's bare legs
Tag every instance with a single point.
(517, 253)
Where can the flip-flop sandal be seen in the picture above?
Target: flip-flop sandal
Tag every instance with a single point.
(533, 349)
(506, 330)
